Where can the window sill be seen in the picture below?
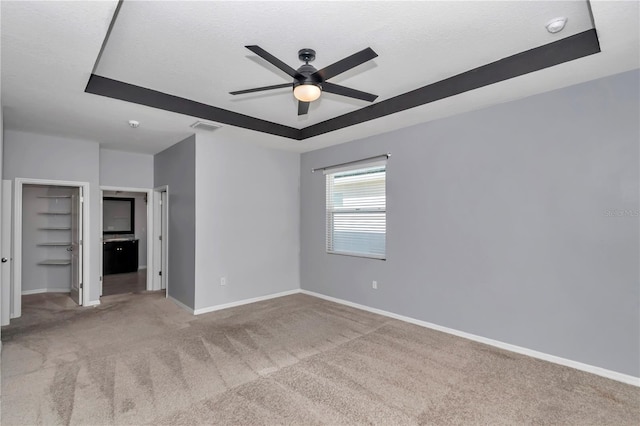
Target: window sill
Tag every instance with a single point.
(365, 256)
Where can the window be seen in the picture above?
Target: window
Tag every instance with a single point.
(356, 211)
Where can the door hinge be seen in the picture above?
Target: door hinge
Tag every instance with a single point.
(160, 237)
(82, 199)
(160, 202)
(160, 273)
(80, 285)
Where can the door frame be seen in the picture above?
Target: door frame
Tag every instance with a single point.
(161, 247)
(17, 237)
(6, 251)
(76, 229)
(150, 228)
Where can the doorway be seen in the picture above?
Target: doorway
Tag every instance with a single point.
(49, 233)
(126, 236)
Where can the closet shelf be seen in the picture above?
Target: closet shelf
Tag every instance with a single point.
(56, 228)
(55, 213)
(55, 244)
(53, 196)
(56, 262)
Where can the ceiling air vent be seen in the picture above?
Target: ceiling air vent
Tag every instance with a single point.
(201, 125)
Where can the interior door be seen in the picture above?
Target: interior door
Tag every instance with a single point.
(76, 245)
(164, 227)
(102, 260)
(5, 277)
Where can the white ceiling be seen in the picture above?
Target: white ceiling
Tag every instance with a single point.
(196, 50)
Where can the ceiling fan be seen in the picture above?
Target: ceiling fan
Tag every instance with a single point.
(308, 82)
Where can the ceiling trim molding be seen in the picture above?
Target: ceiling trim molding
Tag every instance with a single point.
(567, 49)
(115, 89)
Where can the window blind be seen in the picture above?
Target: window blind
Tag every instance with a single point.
(356, 210)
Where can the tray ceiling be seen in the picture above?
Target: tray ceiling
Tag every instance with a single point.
(195, 51)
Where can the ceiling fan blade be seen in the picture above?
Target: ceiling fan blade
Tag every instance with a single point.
(345, 64)
(303, 107)
(346, 91)
(260, 89)
(273, 60)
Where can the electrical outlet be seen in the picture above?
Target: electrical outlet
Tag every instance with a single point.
(374, 285)
(223, 280)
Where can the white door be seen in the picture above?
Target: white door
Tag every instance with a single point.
(5, 277)
(76, 246)
(101, 241)
(164, 226)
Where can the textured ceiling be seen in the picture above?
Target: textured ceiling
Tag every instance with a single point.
(196, 50)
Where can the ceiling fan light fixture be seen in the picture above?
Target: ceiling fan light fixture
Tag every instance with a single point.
(307, 92)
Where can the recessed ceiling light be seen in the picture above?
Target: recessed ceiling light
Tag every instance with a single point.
(556, 25)
(134, 124)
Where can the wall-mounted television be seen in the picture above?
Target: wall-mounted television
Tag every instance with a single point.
(118, 215)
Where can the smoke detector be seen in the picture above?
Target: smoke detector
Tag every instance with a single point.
(201, 125)
(134, 124)
(556, 25)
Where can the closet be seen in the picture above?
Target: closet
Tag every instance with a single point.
(49, 221)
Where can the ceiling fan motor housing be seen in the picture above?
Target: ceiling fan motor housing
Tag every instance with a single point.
(304, 76)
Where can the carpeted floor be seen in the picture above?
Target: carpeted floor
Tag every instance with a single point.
(139, 359)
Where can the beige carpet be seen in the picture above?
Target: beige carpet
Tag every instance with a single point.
(298, 360)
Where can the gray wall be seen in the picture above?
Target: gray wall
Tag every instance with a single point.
(247, 220)
(30, 155)
(140, 221)
(175, 167)
(126, 169)
(499, 224)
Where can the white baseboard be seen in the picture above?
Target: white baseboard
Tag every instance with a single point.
(624, 378)
(614, 375)
(36, 291)
(57, 290)
(244, 302)
(180, 304)
(46, 290)
(142, 267)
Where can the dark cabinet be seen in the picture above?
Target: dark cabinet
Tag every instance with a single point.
(120, 257)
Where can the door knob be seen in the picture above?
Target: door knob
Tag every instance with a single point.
(4, 260)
